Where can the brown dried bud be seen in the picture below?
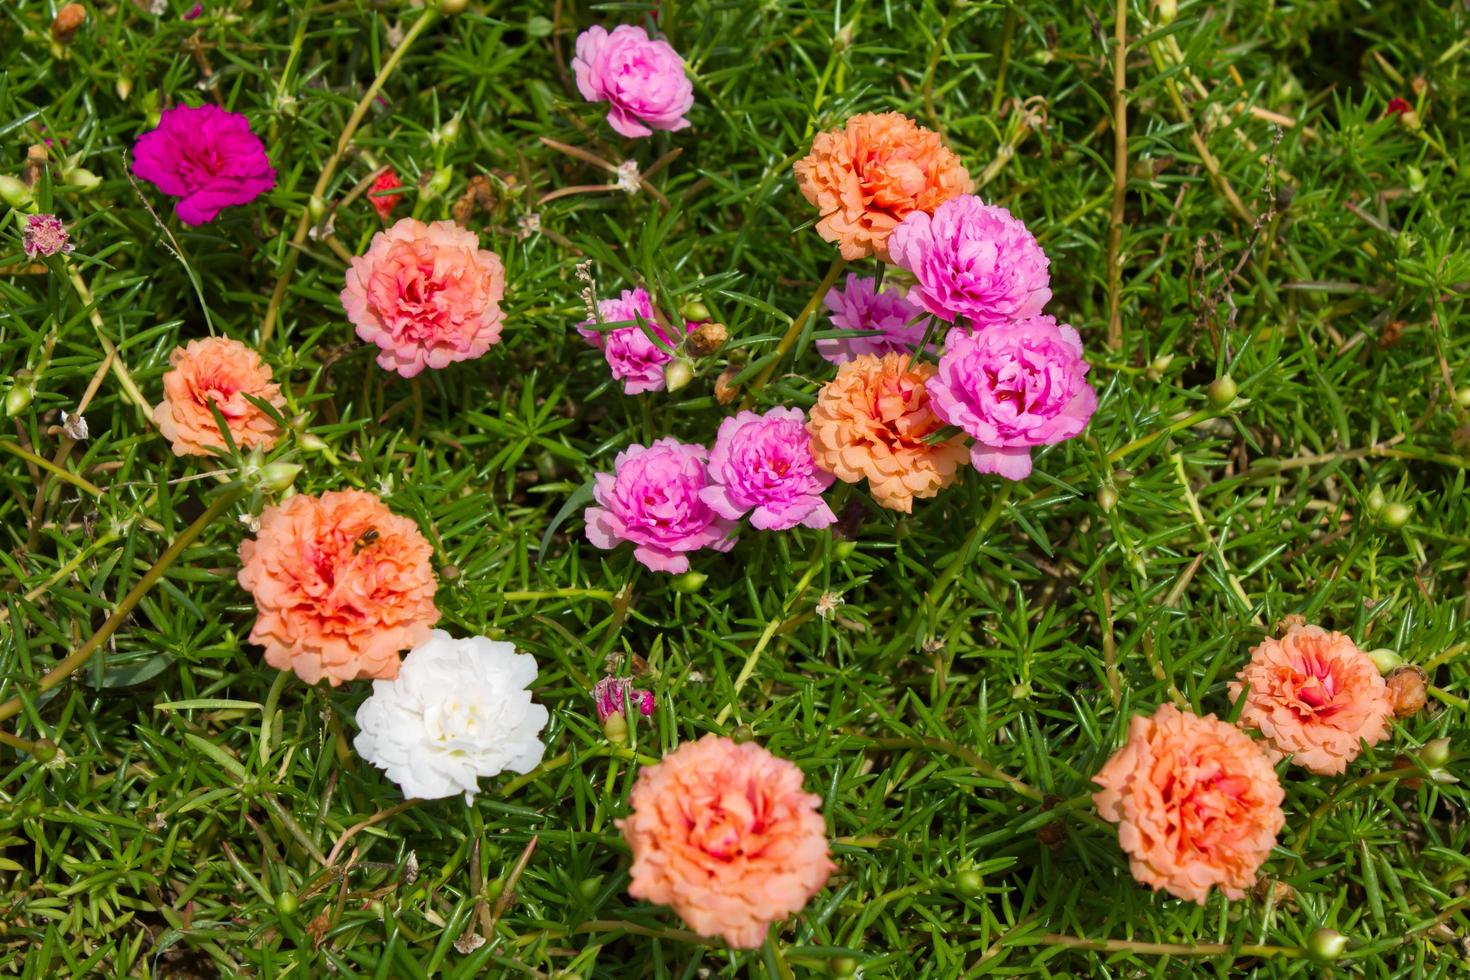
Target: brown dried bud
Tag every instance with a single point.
(707, 338)
(68, 20)
(1282, 895)
(1406, 690)
(1289, 622)
(36, 160)
(725, 390)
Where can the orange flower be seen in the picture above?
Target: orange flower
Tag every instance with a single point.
(342, 585)
(1315, 697)
(1196, 802)
(866, 177)
(870, 422)
(724, 834)
(219, 371)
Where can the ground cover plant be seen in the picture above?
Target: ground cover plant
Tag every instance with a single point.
(371, 598)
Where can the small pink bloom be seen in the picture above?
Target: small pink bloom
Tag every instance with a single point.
(642, 80)
(194, 12)
(1397, 106)
(972, 260)
(611, 693)
(883, 323)
(384, 203)
(652, 500)
(427, 295)
(1315, 697)
(1011, 387)
(44, 236)
(207, 158)
(762, 464)
(635, 360)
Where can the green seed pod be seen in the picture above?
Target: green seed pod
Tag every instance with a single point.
(695, 310)
(18, 399)
(1387, 661)
(316, 208)
(969, 882)
(1107, 499)
(81, 178)
(615, 727)
(287, 903)
(1376, 501)
(678, 373)
(451, 8)
(1396, 515)
(1436, 753)
(843, 549)
(1326, 945)
(278, 476)
(1222, 392)
(690, 582)
(843, 966)
(43, 750)
(124, 87)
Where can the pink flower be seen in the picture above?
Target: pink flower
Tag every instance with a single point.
(427, 295)
(886, 319)
(972, 260)
(207, 158)
(652, 499)
(642, 80)
(45, 235)
(763, 464)
(194, 12)
(611, 693)
(1012, 387)
(383, 203)
(635, 360)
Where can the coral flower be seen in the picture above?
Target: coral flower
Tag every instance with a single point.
(1315, 697)
(1012, 387)
(1196, 802)
(342, 586)
(973, 260)
(868, 176)
(641, 79)
(724, 834)
(207, 158)
(652, 499)
(881, 322)
(220, 372)
(427, 295)
(634, 359)
(870, 422)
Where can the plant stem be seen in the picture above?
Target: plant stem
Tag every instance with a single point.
(1159, 949)
(74, 661)
(1120, 175)
(288, 263)
(794, 331)
(81, 483)
(130, 388)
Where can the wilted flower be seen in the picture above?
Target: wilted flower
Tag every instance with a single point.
(611, 693)
(45, 236)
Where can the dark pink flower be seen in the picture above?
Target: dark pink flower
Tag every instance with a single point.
(207, 158)
(611, 693)
(45, 235)
(1012, 387)
(882, 323)
(763, 465)
(1397, 106)
(635, 360)
(194, 12)
(641, 79)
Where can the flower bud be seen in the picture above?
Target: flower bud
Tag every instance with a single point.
(1158, 366)
(969, 882)
(310, 443)
(1107, 499)
(123, 87)
(1462, 396)
(81, 178)
(278, 476)
(678, 373)
(1387, 661)
(1326, 945)
(451, 8)
(725, 388)
(690, 582)
(1435, 753)
(439, 182)
(449, 132)
(1222, 392)
(44, 751)
(843, 549)
(316, 208)
(1407, 690)
(1166, 11)
(1396, 515)
(615, 727)
(14, 192)
(695, 310)
(18, 399)
(1376, 501)
(287, 903)
(843, 967)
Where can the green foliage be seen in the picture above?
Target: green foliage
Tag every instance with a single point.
(190, 829)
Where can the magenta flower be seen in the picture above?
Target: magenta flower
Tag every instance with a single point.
(1012, 387)
(635, 360)
(194, 12)
(207, 158)
(860, 308)
(642, 80)
(44, 236)
(652, 499)
(611, 693)
(762, 464)
(972, 260)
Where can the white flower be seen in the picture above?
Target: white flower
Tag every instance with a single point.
(459, 710)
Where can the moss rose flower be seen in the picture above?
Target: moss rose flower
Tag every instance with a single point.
(881, 322)
(342, 586)
(220, 372)
(762, 465)
(634, 359)
(1196, 802)
(642, 79)
(207, 158)
(725, 835)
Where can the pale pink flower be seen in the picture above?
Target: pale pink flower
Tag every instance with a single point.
(882, 322)
(641, 79)
(45, 236)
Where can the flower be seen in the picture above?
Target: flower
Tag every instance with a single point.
(652, 498)
(457, 711)
(207, 158)
(194, 12)
(45, 236)
(611, 693)
(868, 176)
(870, 422)
(883, 321)
(1315, 697)
(635, 360)
(641, 79)
(1011, 387)
(1196, 802)
(762, 464)
(220, 372)
(724, 834)
(973, 260)
(342, 585)
(384, 203)
(427, 295)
